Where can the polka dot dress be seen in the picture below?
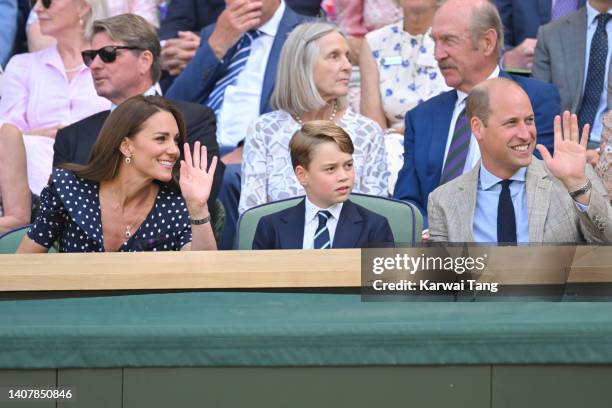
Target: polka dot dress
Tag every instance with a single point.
(70, 214)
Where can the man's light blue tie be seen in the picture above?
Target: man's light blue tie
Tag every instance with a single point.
(235, 67)
(321, 238)
(595, 73)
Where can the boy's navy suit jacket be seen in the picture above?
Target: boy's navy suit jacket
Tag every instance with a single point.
(357, 228)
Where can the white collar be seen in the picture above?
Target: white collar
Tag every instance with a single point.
(312, 210)
(592, 14)
(462, 95)
(271, 26)
(155, 89)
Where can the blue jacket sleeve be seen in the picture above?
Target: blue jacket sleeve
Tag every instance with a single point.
(198, 78)
(546, 105)
(408, 187)
(264, 235)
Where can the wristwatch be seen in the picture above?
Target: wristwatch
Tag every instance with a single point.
(581, 190)
(200, 221)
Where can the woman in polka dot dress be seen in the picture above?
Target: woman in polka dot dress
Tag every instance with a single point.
(129, 197)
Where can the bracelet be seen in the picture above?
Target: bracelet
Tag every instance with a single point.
(201, 221)
(581, 190)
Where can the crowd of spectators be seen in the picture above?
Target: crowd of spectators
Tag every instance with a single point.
(242, 77)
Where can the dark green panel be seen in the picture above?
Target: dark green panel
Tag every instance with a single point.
(35, 379)
(552, 386)
(305, 387)
(95, 388)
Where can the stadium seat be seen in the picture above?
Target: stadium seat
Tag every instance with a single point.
(404, 218)
(10, 240)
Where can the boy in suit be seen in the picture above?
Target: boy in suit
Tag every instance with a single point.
(321, 155)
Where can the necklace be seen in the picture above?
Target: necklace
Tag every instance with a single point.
(75, 69)
(128, 231)
(331, 118)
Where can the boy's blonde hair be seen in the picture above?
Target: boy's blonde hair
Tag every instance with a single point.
(311, 135)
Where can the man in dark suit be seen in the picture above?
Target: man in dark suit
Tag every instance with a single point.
(322, 158)
(186, 18)
(573, 54)
(521, 20)
(125, 73)
(233, 72)
(438, 144)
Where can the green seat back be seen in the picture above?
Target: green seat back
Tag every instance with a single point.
(9, 241)
(404, 218)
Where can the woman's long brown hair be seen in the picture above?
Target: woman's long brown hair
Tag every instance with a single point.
(125, 121)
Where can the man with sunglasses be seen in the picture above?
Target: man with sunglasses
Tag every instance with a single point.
(125, 62)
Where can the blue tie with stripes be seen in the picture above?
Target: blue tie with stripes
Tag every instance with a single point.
(235, 67)
(321, 238)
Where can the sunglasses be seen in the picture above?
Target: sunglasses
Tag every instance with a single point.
(107, 54)
(45, 3)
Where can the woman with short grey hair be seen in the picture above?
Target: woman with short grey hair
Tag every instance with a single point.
(311, 84)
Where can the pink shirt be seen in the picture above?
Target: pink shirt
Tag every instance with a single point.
(144, 8)
(37, 94)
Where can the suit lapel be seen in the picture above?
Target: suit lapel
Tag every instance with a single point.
(574, 50)
(291, 228)
(441, 127)
(465, 203)
(348, 230)
(538, 187)
(289, 20)
(544, 9)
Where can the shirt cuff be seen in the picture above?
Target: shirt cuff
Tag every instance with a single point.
(581, 207)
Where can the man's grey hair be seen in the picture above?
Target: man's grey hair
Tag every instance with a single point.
(295, 90)
(133, 31)
(486, 17)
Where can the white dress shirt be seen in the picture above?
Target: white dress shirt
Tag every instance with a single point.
(311, 222)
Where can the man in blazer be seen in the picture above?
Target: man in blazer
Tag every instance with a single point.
(357, 228)
(130, 74)
(521, 20)
(429, 126)
(187, 17)
(560, 199)
(560, 59)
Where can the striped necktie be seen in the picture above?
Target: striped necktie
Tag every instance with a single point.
(595, 73)
(235, 67)
(458, 150)
(321, 237)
